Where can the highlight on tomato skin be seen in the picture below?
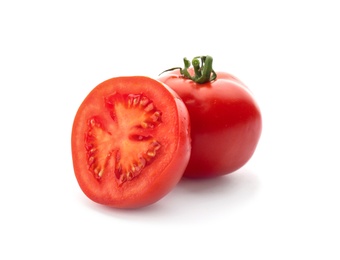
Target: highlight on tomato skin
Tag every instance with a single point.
(226, 121)
(130, 142)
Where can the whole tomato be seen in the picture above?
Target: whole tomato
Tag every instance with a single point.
(225, 119)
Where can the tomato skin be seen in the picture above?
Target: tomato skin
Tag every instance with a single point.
(157, 178)
(226, 122)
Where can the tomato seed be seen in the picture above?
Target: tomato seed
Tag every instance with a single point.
(149, 107)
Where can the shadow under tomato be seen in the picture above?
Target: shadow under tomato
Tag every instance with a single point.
(193, 200)
(219, 193)
(227, 184)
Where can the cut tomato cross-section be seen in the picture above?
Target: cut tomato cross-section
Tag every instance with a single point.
(130, 142)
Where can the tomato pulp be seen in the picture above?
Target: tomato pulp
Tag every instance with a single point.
(225, 119)
(130, 142)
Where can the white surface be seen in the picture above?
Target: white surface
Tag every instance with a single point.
(284, 204)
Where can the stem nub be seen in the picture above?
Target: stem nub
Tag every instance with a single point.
(202, 67)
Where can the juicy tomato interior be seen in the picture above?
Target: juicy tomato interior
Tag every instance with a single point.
(130, 142)
(128, 138)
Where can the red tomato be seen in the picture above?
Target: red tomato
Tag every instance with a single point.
(130, 142)
(225, 118)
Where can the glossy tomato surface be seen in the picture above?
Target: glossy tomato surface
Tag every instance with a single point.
(226, 122)
(130, 142)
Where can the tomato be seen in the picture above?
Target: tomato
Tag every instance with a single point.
(225, 119)
(130, 142)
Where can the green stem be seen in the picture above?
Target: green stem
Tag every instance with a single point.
(202, 67)
(197, 68)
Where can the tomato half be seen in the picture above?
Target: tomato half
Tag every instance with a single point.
(225, 119)
(130, 142)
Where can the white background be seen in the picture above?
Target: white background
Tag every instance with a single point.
(284, 204)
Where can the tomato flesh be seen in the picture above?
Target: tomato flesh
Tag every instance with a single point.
(132, 146)
(130, 142)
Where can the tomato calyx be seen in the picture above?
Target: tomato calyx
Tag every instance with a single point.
(202, 67)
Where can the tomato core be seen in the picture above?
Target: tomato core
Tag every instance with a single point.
(125, 138)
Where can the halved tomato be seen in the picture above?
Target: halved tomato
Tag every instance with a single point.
(130, 142)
